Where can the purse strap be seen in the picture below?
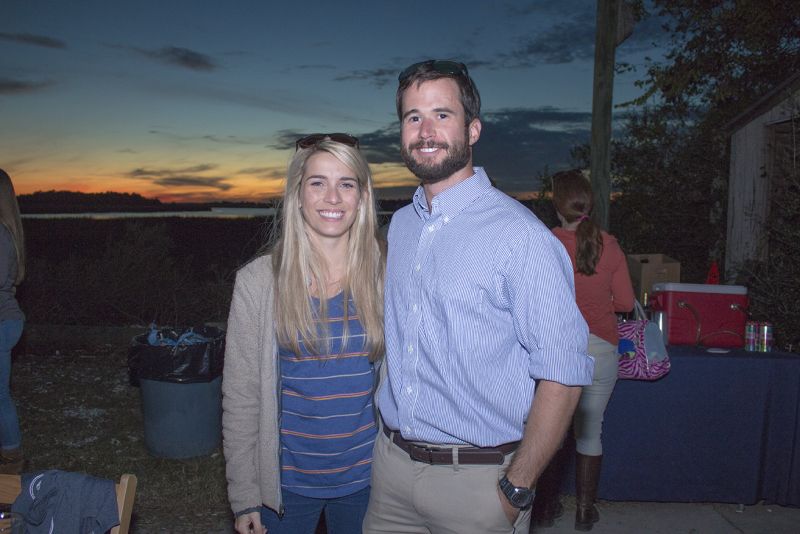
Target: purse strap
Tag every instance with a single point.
(638, 310)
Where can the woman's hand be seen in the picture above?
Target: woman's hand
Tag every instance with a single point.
(250, 524)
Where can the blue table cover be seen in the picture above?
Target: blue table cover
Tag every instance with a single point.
(717, 428)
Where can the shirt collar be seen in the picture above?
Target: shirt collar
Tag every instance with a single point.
(453, 200)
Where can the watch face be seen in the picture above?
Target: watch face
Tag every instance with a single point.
(519, 497)
(522, 497)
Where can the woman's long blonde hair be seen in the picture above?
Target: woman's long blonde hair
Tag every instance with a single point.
(296, 261)
(10, 218)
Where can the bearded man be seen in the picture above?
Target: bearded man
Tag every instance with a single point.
(485, 346)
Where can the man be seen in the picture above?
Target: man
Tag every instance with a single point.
(479, 304)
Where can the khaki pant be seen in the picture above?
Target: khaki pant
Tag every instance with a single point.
(414, 497)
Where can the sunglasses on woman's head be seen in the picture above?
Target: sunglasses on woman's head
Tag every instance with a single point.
(312, 139)
(442, 66)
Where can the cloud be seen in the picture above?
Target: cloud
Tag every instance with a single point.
(265, 173)
(548, 7)
(35, 40)
(382, 146)
(379, 77)
(566, 41)
(151, 173)
(181, 57)
(382, 76)
(518, 145)
(225, 139)
(182, 177)
(215, 182)
(255, 170)
(379, 146)
(571, 37)
(288, 103)
(16, 87)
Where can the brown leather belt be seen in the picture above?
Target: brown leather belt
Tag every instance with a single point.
(444, 455)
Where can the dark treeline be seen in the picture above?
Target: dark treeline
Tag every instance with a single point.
(172, 271)
(75, 202)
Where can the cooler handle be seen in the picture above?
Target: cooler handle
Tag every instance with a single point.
(698, 338)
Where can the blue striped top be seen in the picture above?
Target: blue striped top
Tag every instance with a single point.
(479, 302)
(327, 417)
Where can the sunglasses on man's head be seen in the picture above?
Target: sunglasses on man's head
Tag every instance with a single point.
(442, 66)
(312, 139)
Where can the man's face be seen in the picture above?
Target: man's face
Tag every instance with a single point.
(435, 143)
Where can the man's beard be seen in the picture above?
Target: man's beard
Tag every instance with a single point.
(458, 157)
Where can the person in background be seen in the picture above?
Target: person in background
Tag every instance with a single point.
(304, 332)
(602, 289)
(485, 346)
(12, 320)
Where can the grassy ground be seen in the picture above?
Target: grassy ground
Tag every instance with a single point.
(79, 413)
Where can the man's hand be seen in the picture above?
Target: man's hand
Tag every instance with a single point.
(511, 513)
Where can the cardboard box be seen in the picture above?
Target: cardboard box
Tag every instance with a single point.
(649, 269)
(702, 314)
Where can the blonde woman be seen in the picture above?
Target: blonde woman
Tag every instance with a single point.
(304, 331)
(12, 320)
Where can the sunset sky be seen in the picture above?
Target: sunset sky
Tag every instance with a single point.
(202, 100)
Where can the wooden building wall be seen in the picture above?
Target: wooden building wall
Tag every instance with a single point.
(749, 183)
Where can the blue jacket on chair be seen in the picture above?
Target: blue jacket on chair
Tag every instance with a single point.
(54, 502)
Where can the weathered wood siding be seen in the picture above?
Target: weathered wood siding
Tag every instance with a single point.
(749, 186)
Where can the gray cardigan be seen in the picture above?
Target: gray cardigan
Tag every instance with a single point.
(250, 432)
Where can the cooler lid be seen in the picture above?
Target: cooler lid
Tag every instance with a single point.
(701, 288)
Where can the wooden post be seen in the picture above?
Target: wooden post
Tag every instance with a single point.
(602, 95)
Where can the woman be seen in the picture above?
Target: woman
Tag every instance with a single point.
(602, 289)
(305, 326)
(12, 272)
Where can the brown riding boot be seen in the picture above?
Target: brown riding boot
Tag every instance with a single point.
(587, 475)
(547, 506)
(11, 461)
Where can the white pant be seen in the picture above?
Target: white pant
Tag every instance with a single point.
(588, 420)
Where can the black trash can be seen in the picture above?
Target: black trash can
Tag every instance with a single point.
(180, 376)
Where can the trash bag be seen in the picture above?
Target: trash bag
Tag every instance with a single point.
(189, 356)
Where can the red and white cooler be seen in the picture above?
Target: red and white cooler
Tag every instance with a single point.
(702, 314)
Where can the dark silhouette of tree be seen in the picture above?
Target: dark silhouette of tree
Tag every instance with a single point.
(672, 162)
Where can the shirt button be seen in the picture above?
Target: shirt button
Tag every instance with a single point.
(410, 348)
(430, 228)
(447, 219)
(409, 390)
(414, 308)
(418, 267)
(407, 429)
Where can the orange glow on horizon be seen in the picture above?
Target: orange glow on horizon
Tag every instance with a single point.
(238, 187)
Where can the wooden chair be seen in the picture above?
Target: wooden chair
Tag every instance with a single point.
(11, 485)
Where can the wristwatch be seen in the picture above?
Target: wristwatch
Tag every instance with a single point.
(519, 497)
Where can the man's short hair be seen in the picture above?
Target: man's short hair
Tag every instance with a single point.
(434, 69)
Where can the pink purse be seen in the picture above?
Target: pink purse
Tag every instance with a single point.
(642, 353)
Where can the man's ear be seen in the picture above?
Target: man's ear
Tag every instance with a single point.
(474, 130)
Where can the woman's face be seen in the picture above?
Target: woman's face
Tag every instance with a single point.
(329, 198)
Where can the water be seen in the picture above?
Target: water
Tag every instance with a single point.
(214, 213)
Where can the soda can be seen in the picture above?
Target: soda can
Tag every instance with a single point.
(751, 336)
(765, 337)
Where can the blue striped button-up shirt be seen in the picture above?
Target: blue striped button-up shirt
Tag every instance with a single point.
(479, 302)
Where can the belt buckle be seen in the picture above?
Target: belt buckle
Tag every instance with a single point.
(422, 454)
